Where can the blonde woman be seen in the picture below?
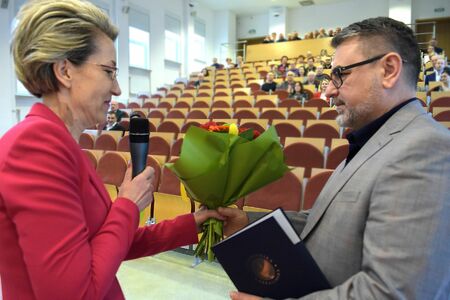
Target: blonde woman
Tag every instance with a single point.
(61, 236)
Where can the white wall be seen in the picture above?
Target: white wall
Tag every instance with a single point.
(400, 10)
(225, 32)
(306, 19)
(7, 101)
(259, 23)
(424, 9)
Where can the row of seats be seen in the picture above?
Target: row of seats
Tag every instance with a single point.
(299, 151)
(292, 192)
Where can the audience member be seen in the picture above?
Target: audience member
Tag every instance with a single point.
(289, 82)
(380, 227)
(267, 40)
(239, 62)
(430, 53)
(216, 65)
(319, 73)
(311, 80)
(330, 32)
(293, 69)
(283, 67)
(281, 38)
(298, 92)
(327, 63)
(300, 60)
(433, 43)
(322, 91)
(295, 36)
(114, 107)
(301, 71)
(200, 79)
(270, 84)
(439, 68)
(310, 67)
(273, 37)
(444, 87)
(111, 122)
(230, 64)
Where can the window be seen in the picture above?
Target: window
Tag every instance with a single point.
(139, 48)
(173, 39)
(139, 39)
(198, 47)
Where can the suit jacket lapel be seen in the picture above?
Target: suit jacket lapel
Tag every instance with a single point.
(342, 175)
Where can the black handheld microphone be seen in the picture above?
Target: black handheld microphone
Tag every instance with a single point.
(139, 137)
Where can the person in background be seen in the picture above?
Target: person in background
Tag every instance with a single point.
(319, 73)
(439, 68)
(267, 40)
(301, 71)
(327, 63)
(289, 82)
(293, 69)
(295, 36)
(230, 64)
(322, 90)
(310, 67)
(298, 92)
(283, 66)
(61, 235)
(444, 86)
(239, 62)
(433, 42)
(281, 38)
(200, 79)
(273, 37)
(115, 108)
(311, 80)
(380, 227)
(430, 53)
(111, 122)
(300, 60)
(216, 64)
(330, 32)
(270, 84)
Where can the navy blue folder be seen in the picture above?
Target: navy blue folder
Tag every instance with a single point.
(263, 260)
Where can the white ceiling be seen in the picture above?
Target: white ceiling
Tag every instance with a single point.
(254, 7)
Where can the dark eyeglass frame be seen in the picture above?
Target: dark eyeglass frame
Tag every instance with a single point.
(336, 72)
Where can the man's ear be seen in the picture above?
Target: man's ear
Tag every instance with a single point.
(63, 72)
(392, 67)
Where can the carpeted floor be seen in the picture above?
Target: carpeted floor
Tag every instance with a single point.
(170, 275)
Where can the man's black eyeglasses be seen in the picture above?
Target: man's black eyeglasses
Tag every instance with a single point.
(336, 73)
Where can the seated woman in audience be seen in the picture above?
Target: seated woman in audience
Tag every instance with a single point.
(301, 72)
(270, 84)
(61, 235)
(284, 66)
(297, 92)
(230, 64)
(323, 87)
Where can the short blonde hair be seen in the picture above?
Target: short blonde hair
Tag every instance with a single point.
(49, 31)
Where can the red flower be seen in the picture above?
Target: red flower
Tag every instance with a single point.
(214, 127)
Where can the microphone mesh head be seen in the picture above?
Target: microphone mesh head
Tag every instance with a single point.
(139, 130)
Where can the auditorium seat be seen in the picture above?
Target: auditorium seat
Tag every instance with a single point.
(246, 113)
(93, 156)
(304, 152)
(285, 192)
(289, 103)
(111, 169)
(256, 124)
(338, 153)
(441, 114)
(303, 114)
(316, 102)
(287, 128)
(328, 113)
(170, 125)
(86, 141)
(327, 129)
(177, 113)
(316, 182)
(105, 142)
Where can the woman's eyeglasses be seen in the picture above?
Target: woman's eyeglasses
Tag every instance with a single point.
(110, 70)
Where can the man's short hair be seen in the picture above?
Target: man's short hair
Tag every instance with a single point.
(111, 112)
(383, 35)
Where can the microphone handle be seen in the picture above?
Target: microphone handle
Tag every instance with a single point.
(139, 152)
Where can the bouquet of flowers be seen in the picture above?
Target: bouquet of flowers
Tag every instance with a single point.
(219, 164)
